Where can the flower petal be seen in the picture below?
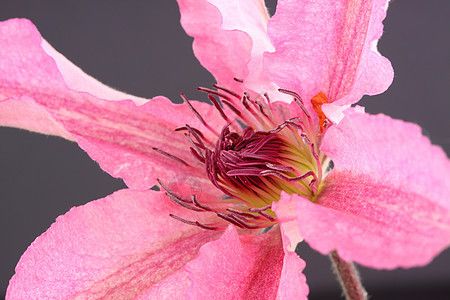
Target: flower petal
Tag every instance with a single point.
(251, 17)
(386, 203)
(225, 53)
(27, 62)
(292, 286)
(120, 135)
(330, 47)
(393, 152)
(286, 214)
(245, 267)
(121, 246)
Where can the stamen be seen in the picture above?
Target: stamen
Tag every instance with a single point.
(197, 155)
(189, 128)
(289, 179)
(231, 106)
(217, 106)
(185, 99)
(244, 102)
(196, 223)
(258, 209)
(170, 156)
(226, 90)
(214, 92)
(195, 132)
(261, 108)
(292, 93)
(299, 103)
(193, 143)
(266, 95)
(242, 213)
(280, 168)
(176, 200)
(197, 203)
(267, 216)
(313, 150)
(261, 210)
(238, 80)
(229, 219)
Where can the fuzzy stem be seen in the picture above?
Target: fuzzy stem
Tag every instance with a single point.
(348, 278)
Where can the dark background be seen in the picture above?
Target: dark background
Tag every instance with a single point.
(139, 47)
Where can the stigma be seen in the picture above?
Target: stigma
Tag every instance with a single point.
(262, 151)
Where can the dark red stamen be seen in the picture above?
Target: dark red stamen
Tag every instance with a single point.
(242, 213)
(218, 107)
(197, 155)
(232, 107)
(176, 200)
(186, 100)
(266, 95)
(292, 93)
(196, 223)
(197, 149)
(238, 80)
(170, 156)
(214, 92)
(198, 204)
(226, 90)
(244, 102)
(189, 128)
(196, 135)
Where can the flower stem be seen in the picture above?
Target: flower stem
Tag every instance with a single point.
(348, 277)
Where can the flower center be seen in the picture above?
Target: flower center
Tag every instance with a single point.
(257, 155)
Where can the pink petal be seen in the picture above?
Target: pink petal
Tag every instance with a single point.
(292, 286)
(250, 17)
(224, 53)
(245, 267)
(392, 152)
(27, 62)
(286, 214)
(386, 203)
(49, 91)
(37, 117)
(330, 47)
(121, 247)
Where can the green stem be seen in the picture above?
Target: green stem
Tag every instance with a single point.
(348, 278)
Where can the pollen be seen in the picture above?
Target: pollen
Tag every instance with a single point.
(317, 101)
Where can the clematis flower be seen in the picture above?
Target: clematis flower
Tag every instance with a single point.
(240, 183)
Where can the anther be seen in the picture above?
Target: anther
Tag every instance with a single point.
(176, 200)
(266, 95)
(214, 92)
(197, 155)
(238, 80)
(200, 205)
(292, 93)
(242, 213)
(226, 90)
(231, 106)
(170, 156)
(217, 106)
(186, 100)
(196, 146)
(196, 223)
(196, 134)
(189, 128)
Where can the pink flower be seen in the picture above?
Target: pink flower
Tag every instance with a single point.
(385, 203)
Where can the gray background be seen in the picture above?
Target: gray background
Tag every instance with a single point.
(139, 47)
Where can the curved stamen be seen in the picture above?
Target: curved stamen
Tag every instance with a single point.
(196, 223)
(170, 156)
